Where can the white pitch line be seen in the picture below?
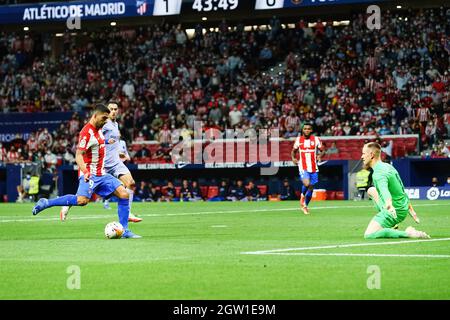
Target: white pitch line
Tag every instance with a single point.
(361, 255)
(365, 244)
(32, 219)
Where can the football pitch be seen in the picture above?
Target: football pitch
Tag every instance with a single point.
(214, 250)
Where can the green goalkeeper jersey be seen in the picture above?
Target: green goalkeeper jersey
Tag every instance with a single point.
(389, 185)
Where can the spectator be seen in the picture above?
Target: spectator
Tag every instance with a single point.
(50, 159)
(142, 192)
(332, 150)
(290, 133)
(128, 89)
(235, 117)
(362, 182)
(435, 182)
(223, 192)
(165, 137)
(185, 192)
(23, 189)
(287, 192)
(3, 154)
(237, 192)
(155, 194)
(169, 194)
(196, 193)
(68, 157)
(28, 189)
(12, 156)
(386, 148)
(143, 152)
(252, 192)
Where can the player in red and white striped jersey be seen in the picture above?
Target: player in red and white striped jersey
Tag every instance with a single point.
(92, 143)
(311, 150)
(90, 158)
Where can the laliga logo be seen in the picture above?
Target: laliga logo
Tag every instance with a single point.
(433, 193)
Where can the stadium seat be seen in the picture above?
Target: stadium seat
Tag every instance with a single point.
(331, 195)
(213, 191)
(339, 195)
(204, 191)
(262, 190)
(177, 192)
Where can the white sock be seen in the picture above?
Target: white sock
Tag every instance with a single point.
(130, 198)
(105, 202)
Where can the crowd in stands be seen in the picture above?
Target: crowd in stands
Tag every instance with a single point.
(347, 80)
(226, 191)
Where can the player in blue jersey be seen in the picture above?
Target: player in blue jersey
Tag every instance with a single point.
(114, 159)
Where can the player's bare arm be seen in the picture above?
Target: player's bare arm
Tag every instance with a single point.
(294, 155)
(81, 164)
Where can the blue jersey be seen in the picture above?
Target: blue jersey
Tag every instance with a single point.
(112, 157)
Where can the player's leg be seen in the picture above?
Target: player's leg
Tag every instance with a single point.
(413, 213)
(305, 188)
(130, 185)
(67, 200)
(106, 204)
(110, 185)
(304, 177)
(84, 193)
(313, 179)
(124, 211)
(381, 227)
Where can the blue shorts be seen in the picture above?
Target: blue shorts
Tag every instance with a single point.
(313, 177)
(104, 186)
(118, 170)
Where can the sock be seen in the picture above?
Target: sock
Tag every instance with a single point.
(304, 189)
(67, 200)
(130, 198)
(123, 212)
(308, 196)
(105, 202)
(387, 233)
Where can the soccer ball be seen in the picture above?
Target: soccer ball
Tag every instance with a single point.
(114, 230)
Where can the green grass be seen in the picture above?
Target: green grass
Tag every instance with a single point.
(194, 251)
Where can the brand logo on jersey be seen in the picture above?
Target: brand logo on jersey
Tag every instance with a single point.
(83, 143)
(433, 193)
(296, 2)
(141, 7)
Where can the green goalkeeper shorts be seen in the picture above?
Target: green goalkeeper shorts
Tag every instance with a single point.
(386, 220)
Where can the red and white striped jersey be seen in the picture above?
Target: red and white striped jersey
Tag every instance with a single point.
(307, 148)
(92, 141)
(423, 114)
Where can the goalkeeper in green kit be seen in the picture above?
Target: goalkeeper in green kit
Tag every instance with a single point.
(390, 198)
